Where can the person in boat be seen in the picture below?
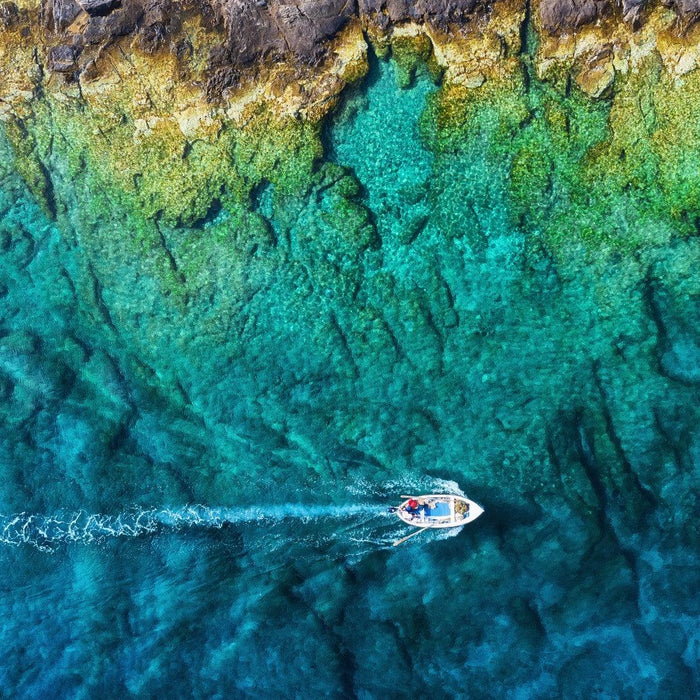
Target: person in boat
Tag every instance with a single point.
(412, 507)
(424, 507)
(418, 508)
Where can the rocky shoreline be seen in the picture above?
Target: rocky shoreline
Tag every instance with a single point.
(154, 78)
(251, 30)
(217, 45)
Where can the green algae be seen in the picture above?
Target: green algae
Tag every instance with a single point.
(577, 171)
(413, 55)
(28, 165)
(158, 172)
(557, 155)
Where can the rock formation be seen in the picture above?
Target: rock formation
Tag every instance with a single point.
(243, 32)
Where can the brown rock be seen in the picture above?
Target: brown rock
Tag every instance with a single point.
(276, 27)
(688, 10)
(558, 15)
(8, 14)
(632, 9)
(253, 29)
(62, 59)
(439, 12)
(62, 13)
(597, 80)
(121, 20)
(99, 8)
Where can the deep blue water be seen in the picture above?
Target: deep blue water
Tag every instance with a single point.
(193, 495)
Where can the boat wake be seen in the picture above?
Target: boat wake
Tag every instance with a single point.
(46, 531)
(362, 524)
(390, 489)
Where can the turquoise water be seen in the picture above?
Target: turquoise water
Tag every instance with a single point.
(194, 484)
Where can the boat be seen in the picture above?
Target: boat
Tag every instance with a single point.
(438, 510)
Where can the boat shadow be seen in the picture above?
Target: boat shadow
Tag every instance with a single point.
(499, 519)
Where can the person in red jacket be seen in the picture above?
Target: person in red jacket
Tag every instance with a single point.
(412, 507)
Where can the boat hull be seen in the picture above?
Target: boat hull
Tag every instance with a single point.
(441, 510)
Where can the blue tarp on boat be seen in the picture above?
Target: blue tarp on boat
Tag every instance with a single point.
(440, 509)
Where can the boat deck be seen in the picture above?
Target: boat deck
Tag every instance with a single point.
(440, 511)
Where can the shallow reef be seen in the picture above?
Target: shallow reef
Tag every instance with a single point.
(419, 251)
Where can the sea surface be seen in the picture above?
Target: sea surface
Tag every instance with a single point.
(194, 491)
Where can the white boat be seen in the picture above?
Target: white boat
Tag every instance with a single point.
(438, 510)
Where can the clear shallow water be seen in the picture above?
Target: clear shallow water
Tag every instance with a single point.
(202, 486)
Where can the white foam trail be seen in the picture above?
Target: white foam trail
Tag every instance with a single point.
(47, 531)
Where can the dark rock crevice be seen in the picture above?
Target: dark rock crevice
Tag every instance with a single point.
(678, 353)
(591, 469)
(526, 47)
(631, 475)
(99, 302)
(345, 344)
(670, 440)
